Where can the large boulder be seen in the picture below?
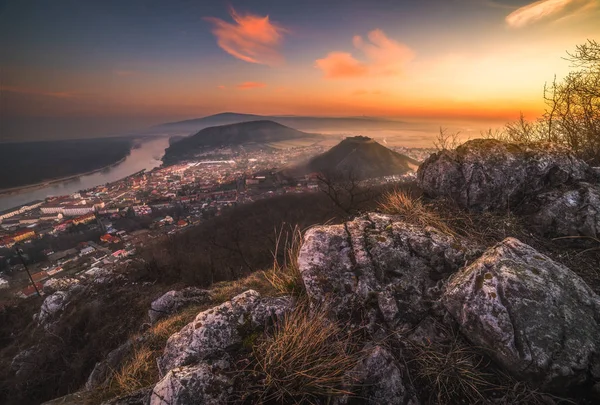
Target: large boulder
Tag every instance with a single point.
(567, 211)
(537, 318)
(204, 383)
(54, 305)
(381, 380)
(173, 301)
(377, 263)
(214, 331)
(487, 174)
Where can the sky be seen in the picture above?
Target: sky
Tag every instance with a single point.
(79, 68)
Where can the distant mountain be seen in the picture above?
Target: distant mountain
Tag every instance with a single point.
(357, 156)
(260, 132)
(303, 123)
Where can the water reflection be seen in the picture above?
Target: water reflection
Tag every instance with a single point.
(146, 156)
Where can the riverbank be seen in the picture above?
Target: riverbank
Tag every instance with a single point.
(46, 183)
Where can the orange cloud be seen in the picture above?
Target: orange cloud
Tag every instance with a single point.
(250, 85)
(58, 94)
(221, 87)
(546, 10)
(250, 38)
(384, 57)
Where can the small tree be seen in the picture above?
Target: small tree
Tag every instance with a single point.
(572, 115)
(345, 189)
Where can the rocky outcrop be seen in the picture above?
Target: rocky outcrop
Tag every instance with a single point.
(214, 331)
(537, 318)
(55, 304)
(487, 174)
(380, 265)
(59, 284)
(380, 379)
(567, 211)
(173, 301)
(200, 384)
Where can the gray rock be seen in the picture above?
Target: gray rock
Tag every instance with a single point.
(537, 318)
(200, 384)
(59, 284)
(568, 211)
(103, 368)
(140, 397)
(487, 174)
(377, 261)
(25, 363)
(217, 329)
(173, 301)
(381, 381)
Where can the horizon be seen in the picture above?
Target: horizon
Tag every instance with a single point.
(78, 70)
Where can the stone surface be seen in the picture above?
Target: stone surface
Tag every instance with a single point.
(173, 301)
(377, 261)
(537, 318)
(140, 397)
(381, 380)
(567, 211)
(112, 361)
(487, 174)
(219, 328)
(59, 284)
(200, 384)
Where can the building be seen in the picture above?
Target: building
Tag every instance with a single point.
(7, 242)
(19, 210)
(84, 219)
(23, 235)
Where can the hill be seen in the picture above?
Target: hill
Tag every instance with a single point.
(359, 156)
(260, 132)
(305, 123)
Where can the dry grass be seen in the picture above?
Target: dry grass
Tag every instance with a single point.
(226, 290)
(285, 276)
(137, 372)
(413, 210)
(453, 371)
(307, 357)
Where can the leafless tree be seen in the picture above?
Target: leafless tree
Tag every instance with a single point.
(345, 189)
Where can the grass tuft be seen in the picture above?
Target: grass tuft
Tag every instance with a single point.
(306, 357)
(413, 210)
(285, 276)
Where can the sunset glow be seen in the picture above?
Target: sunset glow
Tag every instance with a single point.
(468, 59)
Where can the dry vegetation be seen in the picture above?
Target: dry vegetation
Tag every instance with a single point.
(285, 275)
(306, 357)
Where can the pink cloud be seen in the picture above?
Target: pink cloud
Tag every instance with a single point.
(221, 87)
(383, 57)
(250, 85)
(545, 10)
(250, 38)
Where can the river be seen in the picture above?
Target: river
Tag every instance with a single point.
(147, 156)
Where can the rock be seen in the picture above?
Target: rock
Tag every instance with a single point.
(201, 384)
(537, 318)
(217, 329)
(25, 362)
(487, 174)
(569, 211)
(4, 284)
(103, 368)
(139, 397)
(173, 301)
(377, 261)
(59, 284)
(381, 381)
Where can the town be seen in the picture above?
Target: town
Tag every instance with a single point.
(96, 230)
